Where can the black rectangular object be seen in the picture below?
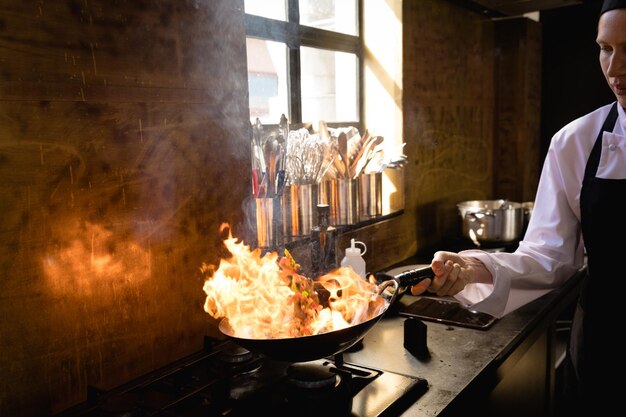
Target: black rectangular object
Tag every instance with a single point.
(448, 312)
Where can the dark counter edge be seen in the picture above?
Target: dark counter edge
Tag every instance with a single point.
(534, 319)
(538, 316)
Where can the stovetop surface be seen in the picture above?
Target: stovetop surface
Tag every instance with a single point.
(226, 380)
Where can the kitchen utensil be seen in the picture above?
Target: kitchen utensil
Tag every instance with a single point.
(357, 153)
(283, 126)
(364, 154)
(342, 144)
(492, 221)
(528, 207)
(258, 159)
(299, 205)
(306, 157)
(369, 158)
(370, 195)
(308, 348)
(270, 148)
(355, 144)
(265, 222)
(341, 195)
(329, 152)
(395, 272)
(339, 167)
(323, 129)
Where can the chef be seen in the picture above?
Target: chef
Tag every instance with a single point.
(580, 209)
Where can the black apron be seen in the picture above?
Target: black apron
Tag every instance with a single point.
(598, 358)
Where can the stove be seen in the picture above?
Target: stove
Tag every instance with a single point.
(225, 379)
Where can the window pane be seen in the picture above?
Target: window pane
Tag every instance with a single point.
(329, 85)
(272, 9)
(335, 15)
(267, 80)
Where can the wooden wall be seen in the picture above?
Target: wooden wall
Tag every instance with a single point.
(448, 111)
(123, 141)
(471, 113)
(517, 161)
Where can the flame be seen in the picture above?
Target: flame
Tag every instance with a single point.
(264, 296)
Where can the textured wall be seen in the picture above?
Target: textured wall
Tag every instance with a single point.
(518, 109)
(122, 146)
(448, 104)
(471, 114)
(448, 113)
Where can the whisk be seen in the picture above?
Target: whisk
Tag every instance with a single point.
(308, 157)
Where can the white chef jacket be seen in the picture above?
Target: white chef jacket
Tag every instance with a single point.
(552, 249)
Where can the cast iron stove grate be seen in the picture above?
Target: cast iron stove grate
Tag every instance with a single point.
(227, 380)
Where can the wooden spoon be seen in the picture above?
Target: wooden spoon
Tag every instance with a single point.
(323, 130)
(359, 164)
(342, 142)
(355, 146)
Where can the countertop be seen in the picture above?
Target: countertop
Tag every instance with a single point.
(460, 358)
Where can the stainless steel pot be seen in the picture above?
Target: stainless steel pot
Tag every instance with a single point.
(528, 207)
(492, 221)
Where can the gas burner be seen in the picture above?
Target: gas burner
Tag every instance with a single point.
(234, 359)
(310, 376)
(235, 354)
(319, 384)
(225, 379)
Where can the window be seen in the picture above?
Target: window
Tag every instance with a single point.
(304, 60)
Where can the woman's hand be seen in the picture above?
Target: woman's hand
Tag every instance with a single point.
(452, 273)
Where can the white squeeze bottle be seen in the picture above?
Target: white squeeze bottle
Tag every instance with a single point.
(354, 257)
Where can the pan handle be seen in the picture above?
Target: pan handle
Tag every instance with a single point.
(415, 276)
(408, 278)
(402, 280)
(386, 284)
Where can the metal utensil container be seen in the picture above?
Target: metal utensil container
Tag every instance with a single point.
(299, 207)
(492, 221)
(267, 235)
(370, 195)
(342, 197)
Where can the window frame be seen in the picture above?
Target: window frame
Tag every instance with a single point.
(295, 35)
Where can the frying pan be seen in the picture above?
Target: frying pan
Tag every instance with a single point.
(308, 348)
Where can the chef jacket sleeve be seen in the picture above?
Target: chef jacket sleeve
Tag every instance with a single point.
(552, 249)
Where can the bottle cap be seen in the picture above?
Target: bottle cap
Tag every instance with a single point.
(353, 250)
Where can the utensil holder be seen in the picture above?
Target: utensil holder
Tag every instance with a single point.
(268, 222)
(370, 195)
(342, 197)
(299, 205)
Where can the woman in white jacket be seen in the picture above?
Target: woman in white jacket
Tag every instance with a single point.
(580, 205)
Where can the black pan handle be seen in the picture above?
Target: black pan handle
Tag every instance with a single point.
(408, 278)
(415, 276)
